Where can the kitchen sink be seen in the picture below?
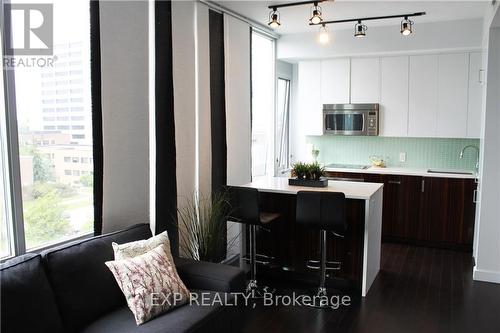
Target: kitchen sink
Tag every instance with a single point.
(453, 172)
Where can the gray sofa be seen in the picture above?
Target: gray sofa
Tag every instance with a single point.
(69, 289)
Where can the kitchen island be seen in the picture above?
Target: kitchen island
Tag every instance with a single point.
(292, 245)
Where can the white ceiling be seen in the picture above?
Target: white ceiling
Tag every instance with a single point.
(295, 19)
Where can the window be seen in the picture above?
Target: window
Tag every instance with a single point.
(263, 82)
(6, 239)
(282, 125)
(54, 206)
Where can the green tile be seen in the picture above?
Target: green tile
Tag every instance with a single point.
(420, 152)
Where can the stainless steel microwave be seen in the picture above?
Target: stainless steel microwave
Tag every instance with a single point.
(351, 119)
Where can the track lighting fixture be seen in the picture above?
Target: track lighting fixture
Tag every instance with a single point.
(360, 29)
(316, 14)
(315, 18)
(324, 35)
(274, 18)
(406, 26)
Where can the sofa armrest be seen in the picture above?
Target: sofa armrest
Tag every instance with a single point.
(210, 276)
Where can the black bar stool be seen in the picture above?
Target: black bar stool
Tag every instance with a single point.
(245, 206)
(323, 211)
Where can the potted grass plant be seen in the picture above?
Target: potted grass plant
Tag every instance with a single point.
(202, 227)
(304, 174)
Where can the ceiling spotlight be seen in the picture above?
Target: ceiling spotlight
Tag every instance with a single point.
(406, 26)
(316, 14)
(274, 18)
(324, 35)
(360, 29)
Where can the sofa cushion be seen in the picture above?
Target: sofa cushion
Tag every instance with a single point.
(84, 287)
(149, 274)
(27, 300)
(136, 248)
(187, 318)
(210, 276)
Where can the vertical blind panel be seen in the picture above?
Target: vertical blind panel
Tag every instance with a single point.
(95, 73)
(166, 187)
(217, 100)
(238, 101)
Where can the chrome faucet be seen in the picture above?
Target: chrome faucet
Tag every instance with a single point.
(477, 150)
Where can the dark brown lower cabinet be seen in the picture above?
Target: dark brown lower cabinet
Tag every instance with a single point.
(447, 212)
(430, 211)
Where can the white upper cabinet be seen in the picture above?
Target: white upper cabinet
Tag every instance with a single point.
(423, 98)
(365, 80)
(310, 111)
(453, 85)
(335, 78)
(393, 96)
(436, 95)
(475, 104)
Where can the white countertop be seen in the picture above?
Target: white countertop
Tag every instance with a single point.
(406, 172)
(352, 190)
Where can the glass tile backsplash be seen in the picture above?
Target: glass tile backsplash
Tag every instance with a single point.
(420, 152)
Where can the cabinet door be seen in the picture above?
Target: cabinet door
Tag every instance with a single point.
(423, 99)
(310, 111)
(335, 78)
(453, 80)
(394, 96)
(365, 80)
(475, 105)
(447, 215)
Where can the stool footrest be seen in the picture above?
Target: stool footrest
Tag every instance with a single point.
(260, 259)
(330, 265)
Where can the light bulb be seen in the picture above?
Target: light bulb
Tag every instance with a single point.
(360, 30)
(316, 15)
(324, 35)
(406, 27)
(274, 20)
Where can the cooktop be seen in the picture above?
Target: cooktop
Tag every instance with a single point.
(347, 166)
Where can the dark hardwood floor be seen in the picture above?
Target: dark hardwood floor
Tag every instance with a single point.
(418, 289)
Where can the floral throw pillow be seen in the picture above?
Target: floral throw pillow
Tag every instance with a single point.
(134, 249)
(150, 283)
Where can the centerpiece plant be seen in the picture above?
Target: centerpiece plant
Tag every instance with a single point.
(308, 171)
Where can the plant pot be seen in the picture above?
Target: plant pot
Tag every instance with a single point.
(322, 182)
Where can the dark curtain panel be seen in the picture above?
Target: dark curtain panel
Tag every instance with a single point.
(95, 75)
(218, 105)
(166, 186)
(217, 101)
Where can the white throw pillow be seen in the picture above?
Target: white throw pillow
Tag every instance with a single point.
(137, 248)
(150, 283)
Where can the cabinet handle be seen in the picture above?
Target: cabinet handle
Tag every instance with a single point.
(474, 197)
(423, 185)
(480, 78)
(398, 182)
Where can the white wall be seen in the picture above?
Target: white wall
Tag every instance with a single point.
(487, 245)
(465, 34)
(125, 103)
